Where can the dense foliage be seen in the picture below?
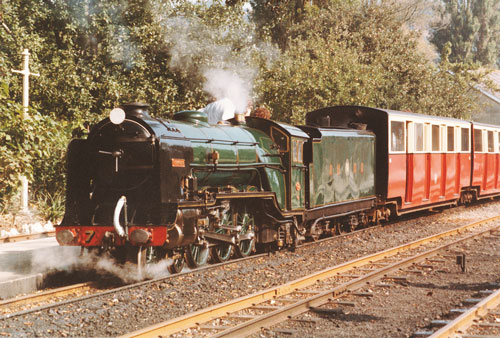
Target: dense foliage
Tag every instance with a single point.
(32, 145)
(292, 55)
(473, 30)
(341, 56)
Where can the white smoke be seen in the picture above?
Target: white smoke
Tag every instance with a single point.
(123, 49)
(221, 83)
(223, 56)
(50, 261)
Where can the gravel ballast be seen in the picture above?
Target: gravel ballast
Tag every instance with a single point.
(133, 309)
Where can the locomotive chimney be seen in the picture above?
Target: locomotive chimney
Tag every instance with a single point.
(137, 109)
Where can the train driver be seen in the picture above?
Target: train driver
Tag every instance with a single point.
(261, 112)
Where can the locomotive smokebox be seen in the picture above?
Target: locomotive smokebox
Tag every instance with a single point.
(137, 109)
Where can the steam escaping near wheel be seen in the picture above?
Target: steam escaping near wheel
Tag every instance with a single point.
(93, 263)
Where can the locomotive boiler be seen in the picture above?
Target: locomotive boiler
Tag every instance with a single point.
(144, 188)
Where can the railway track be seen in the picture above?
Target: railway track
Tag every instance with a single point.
(247, 315)
(171, 283)
(479, 321)
(18, 238)
(31, 302)
(53, 297)
(49, 296)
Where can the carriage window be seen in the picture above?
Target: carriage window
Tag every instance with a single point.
(491, 143)
(435, 138)
(451, 138)
(419, 137)
(397, 136)
(478, 140)
(465, 139)
(297, 151)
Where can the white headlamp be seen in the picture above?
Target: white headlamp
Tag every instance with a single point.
(117, 115)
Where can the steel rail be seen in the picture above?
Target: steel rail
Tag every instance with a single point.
(25, 237)
(466, 320)
(200, 269)
(131, 286)
(42, 296)
(299, 307)
(190, 320)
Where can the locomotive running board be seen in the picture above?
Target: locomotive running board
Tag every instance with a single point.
(231, 195)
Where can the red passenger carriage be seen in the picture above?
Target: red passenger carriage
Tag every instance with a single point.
(429, 161)
(485, 180)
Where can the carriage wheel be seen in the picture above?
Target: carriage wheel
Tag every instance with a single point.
(314, 233)
(245, 247)
(339, 229)
(197, 255)
(147, 255)
(221, 252)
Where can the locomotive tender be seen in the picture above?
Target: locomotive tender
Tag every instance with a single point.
(144, 189)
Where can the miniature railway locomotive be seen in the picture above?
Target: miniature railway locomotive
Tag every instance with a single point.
(144, 189)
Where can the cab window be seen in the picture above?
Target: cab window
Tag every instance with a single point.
(280, 139)
(297, 151)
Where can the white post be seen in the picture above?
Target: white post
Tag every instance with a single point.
(24, 194)
(26, 101)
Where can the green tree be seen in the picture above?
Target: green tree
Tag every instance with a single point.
(351, 54)
(94, 55)
(32, 145)
(274, 18)
(488, 37)
(473, 29)
(461, 30)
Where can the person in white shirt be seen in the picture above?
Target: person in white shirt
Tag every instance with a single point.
(220, 110)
